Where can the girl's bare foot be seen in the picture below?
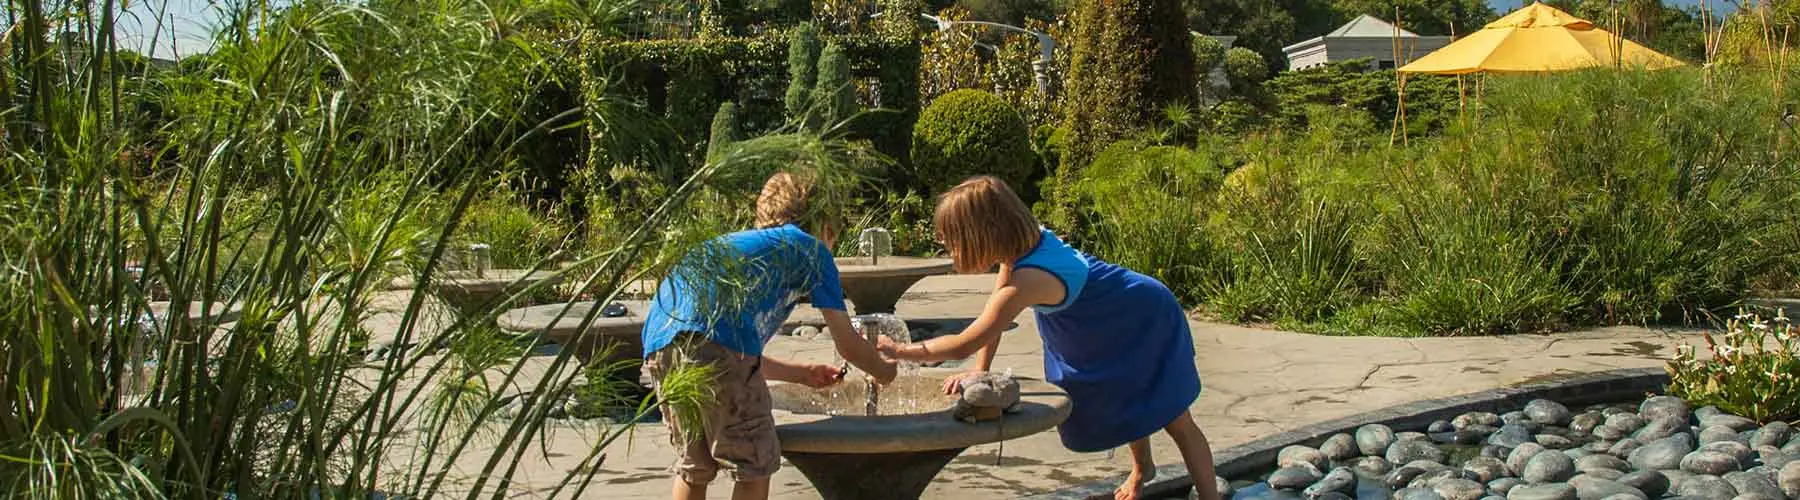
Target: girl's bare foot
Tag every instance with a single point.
(1134, 485)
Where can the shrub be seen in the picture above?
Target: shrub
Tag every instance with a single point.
(725, 130)
(1754, 370)
(834, 98)
(1291, 249)
(1128, 60)
(518, 236)
(970, 132)
(1142, 199)
(1244, 68)
(803, 69)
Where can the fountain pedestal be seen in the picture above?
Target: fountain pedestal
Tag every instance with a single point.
(880, 476)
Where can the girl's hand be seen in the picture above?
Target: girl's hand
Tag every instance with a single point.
(953, 383)
(887, 347)
(822, 376)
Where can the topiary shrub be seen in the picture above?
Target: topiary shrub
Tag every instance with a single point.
(1245, 68)
(803, 69)
(970, 132)
(725, 130)
(834, 97)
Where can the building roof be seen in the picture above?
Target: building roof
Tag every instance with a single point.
(1367, 26)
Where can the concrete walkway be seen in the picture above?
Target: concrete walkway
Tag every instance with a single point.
(1257, 382)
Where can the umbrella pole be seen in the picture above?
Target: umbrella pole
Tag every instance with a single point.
(1398, 133)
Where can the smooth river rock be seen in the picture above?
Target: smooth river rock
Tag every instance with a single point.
(1592, 462)
(1302, 454)
(1555, 442)
(1736, 423)
(1547, 412)
(1709, 463)
(1373, 439)
(1503, 485)
(1652, 483)
(1752, 483)
(1789, 479)
(1717, 433)
(1459, 489)
(1737, 450)
(1664, 406)
(1548, 468)
(1407, 451)
(1486, 468)
(1339, 480)
(1662, 454)
(1340, 446)
(1417, 494)
(1774, 434)
(1659, 428)
(1371, 466)
(1624, 447)
(1554, 491)
(1294, 477)
(1628, 422)
(1515, 461)
(1511, 436)
(1706, 488)
(1586, 422)
(1593, 488)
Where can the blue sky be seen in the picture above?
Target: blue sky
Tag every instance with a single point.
(189, 23)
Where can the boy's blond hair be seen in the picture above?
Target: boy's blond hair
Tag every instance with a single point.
(982, 223)
(784, 200)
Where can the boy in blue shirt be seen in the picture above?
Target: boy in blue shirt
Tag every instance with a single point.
(721, 304)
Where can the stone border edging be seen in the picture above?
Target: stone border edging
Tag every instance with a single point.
(1576, 389)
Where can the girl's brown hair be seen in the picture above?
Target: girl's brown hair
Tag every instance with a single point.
(982, 223)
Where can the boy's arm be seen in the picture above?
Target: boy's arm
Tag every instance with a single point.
(856, 349)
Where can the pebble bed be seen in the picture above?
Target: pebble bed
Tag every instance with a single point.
(1657, 449)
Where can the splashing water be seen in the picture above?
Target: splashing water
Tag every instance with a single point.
(872, 327)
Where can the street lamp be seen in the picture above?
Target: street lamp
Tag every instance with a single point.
(1046, 46)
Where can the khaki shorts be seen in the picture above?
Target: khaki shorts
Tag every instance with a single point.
(738, 425)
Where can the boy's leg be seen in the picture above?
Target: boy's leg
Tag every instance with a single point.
(694, 465)
(751, 489)
(1143, 469)
(1196, 453)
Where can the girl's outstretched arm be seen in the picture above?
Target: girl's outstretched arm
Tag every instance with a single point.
(1027, 287)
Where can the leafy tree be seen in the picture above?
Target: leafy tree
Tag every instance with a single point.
(1130, 58)
(1208, 53)
(970, 132)
(1245, 69)
(1013, 12)
(1264, 26)
(1425, 17)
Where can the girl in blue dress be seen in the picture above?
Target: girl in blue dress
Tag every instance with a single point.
(1115, 340)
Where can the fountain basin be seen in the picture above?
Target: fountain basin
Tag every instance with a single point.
(621, 337)
(875, 286)
(895, 456)
(469, 291)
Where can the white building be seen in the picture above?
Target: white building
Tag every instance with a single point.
(1362, 37)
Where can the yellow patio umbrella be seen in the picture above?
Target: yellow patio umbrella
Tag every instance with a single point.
(1537, 39)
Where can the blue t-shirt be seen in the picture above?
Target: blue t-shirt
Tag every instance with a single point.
(739, 288)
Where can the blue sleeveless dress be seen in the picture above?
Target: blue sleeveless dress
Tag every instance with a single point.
(1119, 344)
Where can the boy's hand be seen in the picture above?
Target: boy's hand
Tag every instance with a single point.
(889, 370)
(822, 376)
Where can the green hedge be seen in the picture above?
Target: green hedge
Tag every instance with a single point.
(970, 132)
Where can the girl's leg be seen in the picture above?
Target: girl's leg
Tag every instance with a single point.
(1196, 453)
(1143, 469)
(688, 491)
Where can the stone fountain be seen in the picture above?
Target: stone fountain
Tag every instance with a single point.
(875, 281)
(476, 284)
(894, 455)
(616, 330)
(860, 441)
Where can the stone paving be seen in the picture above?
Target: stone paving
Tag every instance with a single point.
(1257, 382)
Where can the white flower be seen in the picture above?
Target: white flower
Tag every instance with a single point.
(1684, 349)
(1759, 325)
(1725, 350)
(1731, 369)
